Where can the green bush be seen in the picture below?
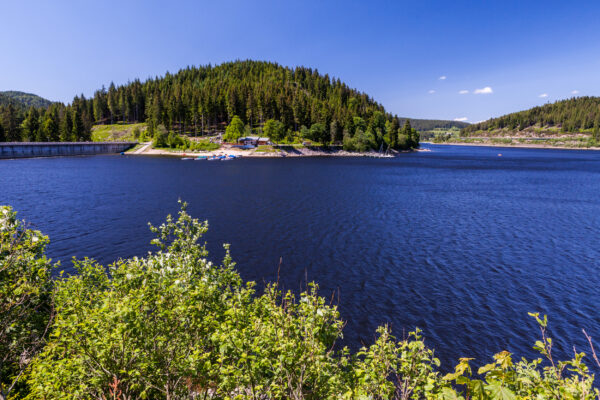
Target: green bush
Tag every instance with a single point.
(173, 325)
(160, 138)
(25, 306)
(362, 141)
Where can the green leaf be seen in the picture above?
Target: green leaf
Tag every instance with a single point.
(499, 392)
(486, 368)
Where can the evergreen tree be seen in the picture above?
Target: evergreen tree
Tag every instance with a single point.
(66, 126)
(10, 121)
(77, 126)
(112, 101)
(50, 125)
(30, 126)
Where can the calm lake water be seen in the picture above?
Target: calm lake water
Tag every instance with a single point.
(457, 241)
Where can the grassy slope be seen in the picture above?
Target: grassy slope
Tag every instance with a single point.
(115, 132)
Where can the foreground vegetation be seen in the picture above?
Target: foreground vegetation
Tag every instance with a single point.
(173, 325)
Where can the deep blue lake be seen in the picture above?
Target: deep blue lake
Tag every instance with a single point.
(457, 241)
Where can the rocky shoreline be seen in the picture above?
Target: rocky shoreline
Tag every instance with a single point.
(279, 151)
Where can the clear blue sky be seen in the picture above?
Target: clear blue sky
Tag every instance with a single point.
(525, 52)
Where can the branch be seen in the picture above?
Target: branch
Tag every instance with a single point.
(589, 339)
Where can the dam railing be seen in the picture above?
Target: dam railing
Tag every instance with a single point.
(60, 149)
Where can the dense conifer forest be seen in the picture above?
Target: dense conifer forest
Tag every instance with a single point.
(579, 114)
(203, 100)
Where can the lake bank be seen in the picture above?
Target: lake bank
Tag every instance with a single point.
(519, 145)
(270, 152)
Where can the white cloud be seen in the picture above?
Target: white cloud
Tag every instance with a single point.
(431, 91)
(543, 95)
(485, 90)
(443, 78)
(462, 119)
(463, 92)
(575, 92)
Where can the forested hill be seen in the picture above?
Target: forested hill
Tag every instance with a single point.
(204, 100)
(578, 114)
(23, 100)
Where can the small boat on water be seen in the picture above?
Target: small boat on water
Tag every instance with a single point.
(186, 158)
(201, 158)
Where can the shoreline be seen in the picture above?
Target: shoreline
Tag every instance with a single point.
(147, 150)
(522, 146)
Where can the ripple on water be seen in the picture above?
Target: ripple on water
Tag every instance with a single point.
(457, 241)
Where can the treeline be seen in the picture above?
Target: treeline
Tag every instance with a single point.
(172, 325)
(204, 100)
(55, 123)
(577, 114)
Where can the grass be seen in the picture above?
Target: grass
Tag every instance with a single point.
(116, 132)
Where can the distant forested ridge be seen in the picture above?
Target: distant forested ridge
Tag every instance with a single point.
(423, 125)
(204, 100)
(579, 114)
(22, 100)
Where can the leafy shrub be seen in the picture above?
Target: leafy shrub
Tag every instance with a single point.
(362, 141)
(173, 325)
(25, 291)
(136, 132)
(160, 137)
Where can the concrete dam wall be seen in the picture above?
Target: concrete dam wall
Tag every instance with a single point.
(58, 149)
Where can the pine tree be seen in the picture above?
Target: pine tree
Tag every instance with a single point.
(50, 125)
(66, 126)
(77, 126)
(112, 101)
(12, 131)
(30, 126)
